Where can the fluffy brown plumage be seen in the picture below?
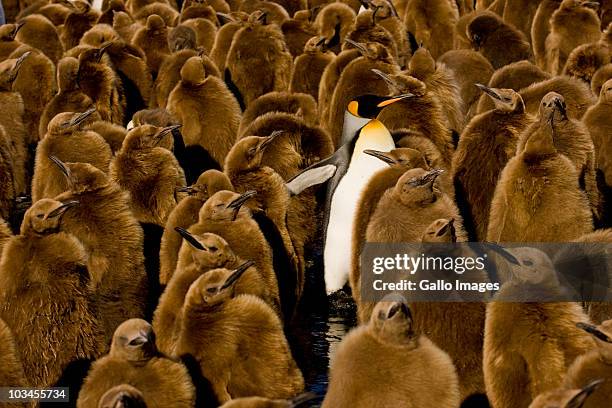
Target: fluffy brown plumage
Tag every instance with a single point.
(431, 23)
(308, 68)
(11, 373)
(298, 30)
(334, 21)
(540, 29)
(152, 39)
(38, 32)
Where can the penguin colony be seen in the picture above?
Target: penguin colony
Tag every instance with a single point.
(170, 172)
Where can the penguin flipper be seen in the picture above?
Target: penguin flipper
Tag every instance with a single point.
(464, 209)
(309, 178)
(233, 88)
(152, 243)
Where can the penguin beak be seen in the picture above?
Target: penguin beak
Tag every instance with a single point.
(59, 211)
(381, 156)
(391, 100)
(431, 176)
(190, 238)
(321, 44)
(239, 202)
(560, 106)
(579, 399)
(224, 18)
(269, 139)
(449, 227)
(164, 131)
(490, 92)
(502, 251)
(103, 49)
(18, 26)
(189, 190)
(237, 274)
(594, 331)
(77, 119)
(590, 4)
(359, 46)
(63, 168)
(18, 64)
(262, 17)
(385, 77)
(398, 307)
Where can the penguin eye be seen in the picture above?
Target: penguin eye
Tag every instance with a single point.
(135, 342)
(527, 262)
(381, 315)
(40, 216)
(251, 152)
(212, 249)
(413, 182)
(211, 290)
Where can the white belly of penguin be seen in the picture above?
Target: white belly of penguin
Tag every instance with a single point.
(337, 252)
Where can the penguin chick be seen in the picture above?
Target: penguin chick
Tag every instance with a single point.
(567, 398)
(149, 172)
(586, 59)
(181, 37)
(98, 81)
(389, 344)
(104, 223)
(66, 140)
(184, 215)
(487, 143)
(529, 346)
(45, 269)
(394, 218)
(297, 104)
(386, 15)
(593, 364)
(572, 139)
(125, 25)
(38, 32)
(430, 23)
(413, 111)
(133, 359)
(209, 113)
(600, 77)
(163, 10)
(69, 97)
(224, 38)
(366, 29)
(532, 186)
(122, 396)
(298, 30)
(11, 373)
(572, 24)
(500, 42)
(152, 39)
(12, 121)
(441, 82)
(274, 13)
(597, 121)
(468, 67)
(258, 61)
(82, 18)
(308, 68)
(8, 43)
(109, 8)
(209, 252)
(334, 21)
(113, 134)
(243, 324)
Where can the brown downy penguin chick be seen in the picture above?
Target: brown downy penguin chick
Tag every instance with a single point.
(258, 60)
(292, 6)
(572, 24)
(399, 161)
(11, 373)
(468, 67)
(182, 37)
(395, 218)
(122, 396)
(208, 111)
(163, 10)
(54, 12)
(224, 38)
(586, 59)
(308, 68)
(500, 42)
(486, 144)
(597, 121)
(413, 111)
(206, 253)
(334, 21)
(568, 398)
(45, 269)
(184, 215)
(98, 81)
(516, 76)
(242, 324)
(11, 103)
(299, 29)
(572, 139)
(205, 31)
(299, 105)
(386, 15)
(441, 82)
(461, 40)
(115, 249)
(540, 29)
(366, 29)
(528, 346)
(596, 363)
(169, 74)
(577, 94)
(125, 25)
(38, 32)
(536, 183)
(38, 69)
(8, 43)
(388, 344)
(152, 39)
(261, 402)
(69, 97)
(113, 134)
(275, 13)
(133, 359)
(68, 141)
(357, 79)
(82, 18)
(149, 172)
(520, 14)
(109, 8)
(600, 77)
(431, 23)
(270, 205)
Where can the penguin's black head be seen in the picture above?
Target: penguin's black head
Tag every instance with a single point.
(369, 106)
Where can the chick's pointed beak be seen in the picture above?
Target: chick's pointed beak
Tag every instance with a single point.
(189, 238)
(359, 46)
(237, 274)
(62, 166)
(594, 331)
(240, 200)
(503, 252)
(59, 211)
(18, 26)
(269, 139)
(384, 156)
(164, 131)
(79, 118)
(489, 91)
